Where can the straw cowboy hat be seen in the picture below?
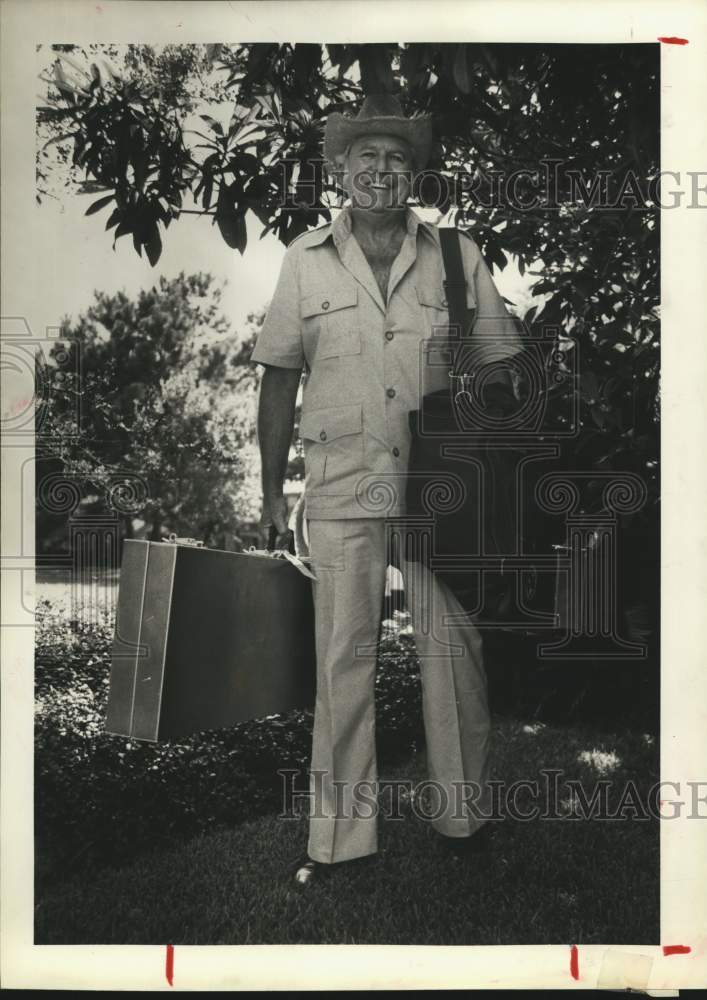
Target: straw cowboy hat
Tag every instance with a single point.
(380, 114)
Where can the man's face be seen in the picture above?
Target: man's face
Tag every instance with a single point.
(378, 172)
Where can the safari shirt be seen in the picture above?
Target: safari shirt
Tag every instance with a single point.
(367, 361)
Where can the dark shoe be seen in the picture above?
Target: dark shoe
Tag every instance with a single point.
(477, 844)
(308, 870)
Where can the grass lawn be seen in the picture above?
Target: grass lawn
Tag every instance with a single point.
(543, 882)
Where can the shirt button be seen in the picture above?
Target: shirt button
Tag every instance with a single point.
(396, 452)
(389, 334)
(325, 304)
(322, 436)
(390, 393)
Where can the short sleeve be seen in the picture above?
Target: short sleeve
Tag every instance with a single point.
(279, 342)
(495, 330)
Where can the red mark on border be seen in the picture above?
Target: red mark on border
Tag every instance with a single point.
(676, 949)
(574, 962)
(19, 405)
(169, 968)
(673, 40)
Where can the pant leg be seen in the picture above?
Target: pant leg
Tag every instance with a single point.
(454, 702)
(349, 561)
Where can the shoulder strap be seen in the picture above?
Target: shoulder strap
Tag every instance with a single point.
(454, 280)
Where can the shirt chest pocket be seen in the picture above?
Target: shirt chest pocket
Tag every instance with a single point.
(330, 323)
(333, 444)
(432, 298)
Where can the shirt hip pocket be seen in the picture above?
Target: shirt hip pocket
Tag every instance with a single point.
(333, 444)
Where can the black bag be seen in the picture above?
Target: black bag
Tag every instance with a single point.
(473, 540)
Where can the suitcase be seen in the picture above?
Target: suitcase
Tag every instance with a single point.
(206, 638)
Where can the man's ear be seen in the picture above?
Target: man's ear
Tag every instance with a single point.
(337, 172)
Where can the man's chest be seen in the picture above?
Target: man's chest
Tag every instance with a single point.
(380, 259)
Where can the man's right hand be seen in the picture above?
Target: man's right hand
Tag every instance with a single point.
(276, 514)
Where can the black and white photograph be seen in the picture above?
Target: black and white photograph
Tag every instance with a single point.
(341, 413)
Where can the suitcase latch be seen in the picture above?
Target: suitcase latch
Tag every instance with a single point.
(172, 539)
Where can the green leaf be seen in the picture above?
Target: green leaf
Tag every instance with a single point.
(233, 228)
(98, 205)
(74, 63)
(114, 218)
(215, 125)
(153, 245)
(123, 229)
(208, 192)
(92, 187)
(495, 254)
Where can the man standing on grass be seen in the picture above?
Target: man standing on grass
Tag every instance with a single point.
(354, 301)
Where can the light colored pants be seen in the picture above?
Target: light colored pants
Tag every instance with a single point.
(349, 559)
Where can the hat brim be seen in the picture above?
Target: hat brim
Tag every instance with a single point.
(340, 131)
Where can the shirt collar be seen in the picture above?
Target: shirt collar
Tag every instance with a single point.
(340, 228)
